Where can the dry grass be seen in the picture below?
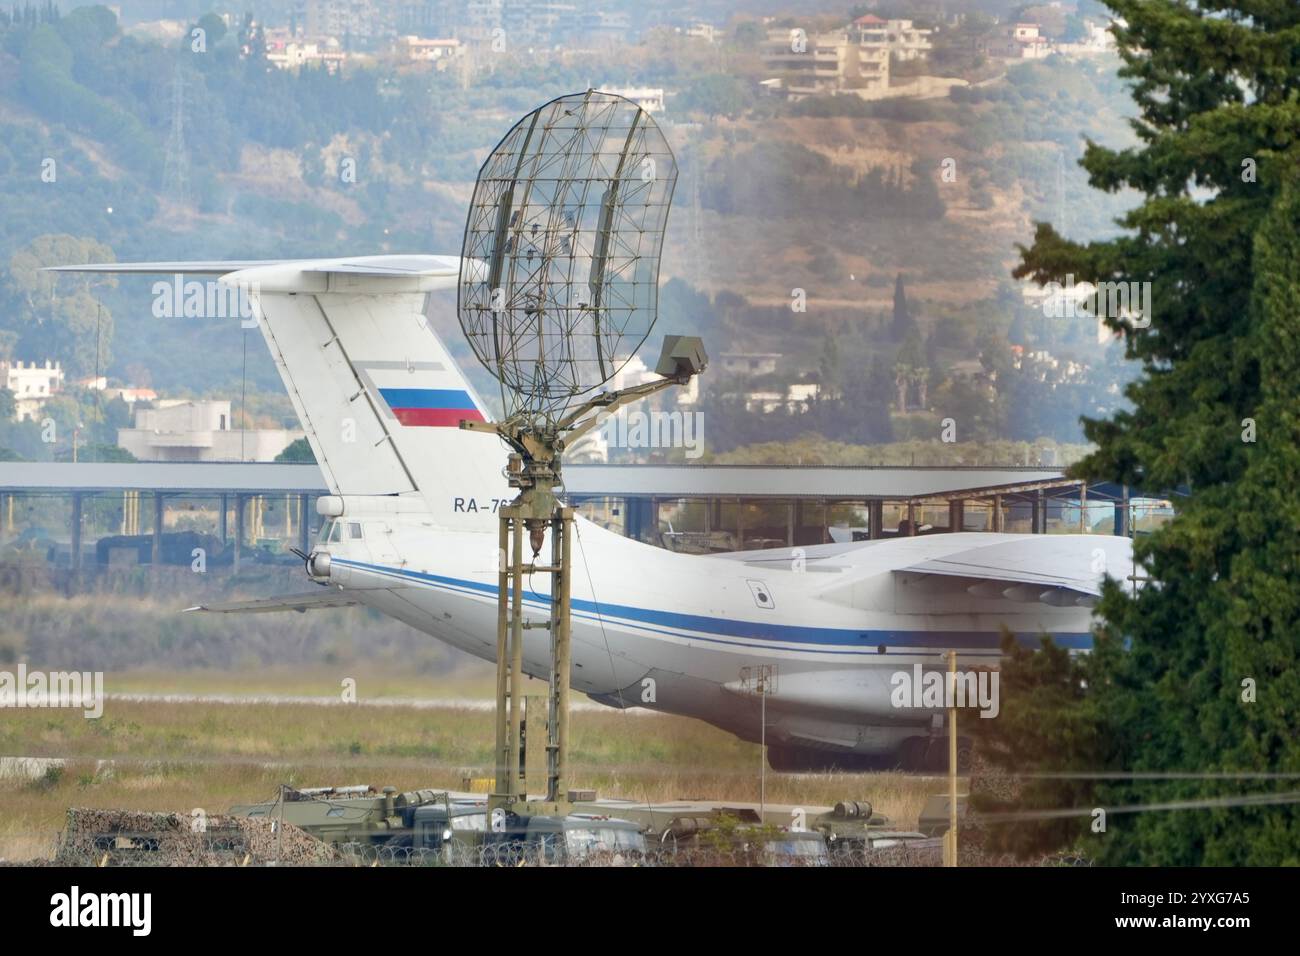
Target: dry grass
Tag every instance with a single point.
(471, 679)
(177, 756)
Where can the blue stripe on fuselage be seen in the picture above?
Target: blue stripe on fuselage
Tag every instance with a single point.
(828, 637)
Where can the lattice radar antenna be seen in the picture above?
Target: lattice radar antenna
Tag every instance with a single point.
(558, 289)
(560, 261)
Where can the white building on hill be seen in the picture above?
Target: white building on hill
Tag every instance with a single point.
(649, 98)
(31, 383)
(182, 430)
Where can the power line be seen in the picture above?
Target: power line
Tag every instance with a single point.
(1210, 803)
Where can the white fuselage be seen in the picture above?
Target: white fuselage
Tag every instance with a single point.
(673, 632)
(381, 400)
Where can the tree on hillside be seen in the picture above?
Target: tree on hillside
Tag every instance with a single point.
(59, 317)
(214, 27)
(1197, 673)
(830, 366)
(297, 451)
(1019, 332)
(903, 324)
(715, 95)
(96, 451)
(910, 373)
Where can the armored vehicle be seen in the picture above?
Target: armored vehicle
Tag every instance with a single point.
(853, 826)
(359, 815)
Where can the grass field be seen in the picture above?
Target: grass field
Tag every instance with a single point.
(473, 679)
(176, 756)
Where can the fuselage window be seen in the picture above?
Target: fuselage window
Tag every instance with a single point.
(354, 530)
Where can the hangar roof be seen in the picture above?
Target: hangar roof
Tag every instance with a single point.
(584, 481)
(793, 481)
(176, 477)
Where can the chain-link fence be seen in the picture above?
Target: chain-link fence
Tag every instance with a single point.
(223, 846)
(160, 849)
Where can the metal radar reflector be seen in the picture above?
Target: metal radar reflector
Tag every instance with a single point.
(560, 260)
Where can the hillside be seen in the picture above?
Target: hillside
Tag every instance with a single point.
(152, 151)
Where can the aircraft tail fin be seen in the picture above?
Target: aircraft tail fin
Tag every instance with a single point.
(378, 394)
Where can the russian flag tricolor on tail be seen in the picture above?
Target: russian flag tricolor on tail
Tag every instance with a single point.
(437, 407)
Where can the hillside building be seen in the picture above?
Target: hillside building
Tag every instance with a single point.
(184, 430)
(32, 384)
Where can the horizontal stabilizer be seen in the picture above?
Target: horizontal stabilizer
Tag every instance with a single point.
(370, 266)
(211, 268)
(285, 602)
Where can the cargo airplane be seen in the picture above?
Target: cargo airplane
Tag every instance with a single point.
(409, 529)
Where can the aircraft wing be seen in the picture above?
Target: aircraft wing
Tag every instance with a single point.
(1060, 570)
(321, 597)
(392, 266)
(830, 558)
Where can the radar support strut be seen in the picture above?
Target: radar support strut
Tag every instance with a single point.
(510, 788)
(534, 468)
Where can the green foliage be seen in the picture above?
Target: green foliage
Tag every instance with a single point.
(299, 450)
(716, 95)
(62, 322)
(1056, 722)
(748, 34)
(99, 103)
(903, 324)
(1216, 86)
(82, 411)
(96, 452)
(50, 779)
(48, 85)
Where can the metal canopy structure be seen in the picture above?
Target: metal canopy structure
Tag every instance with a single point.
(565, 230)
(189, 477)
(729, 482)
(997, 490)
(847, 483)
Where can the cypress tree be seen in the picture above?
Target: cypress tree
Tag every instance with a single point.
(1198, 673)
